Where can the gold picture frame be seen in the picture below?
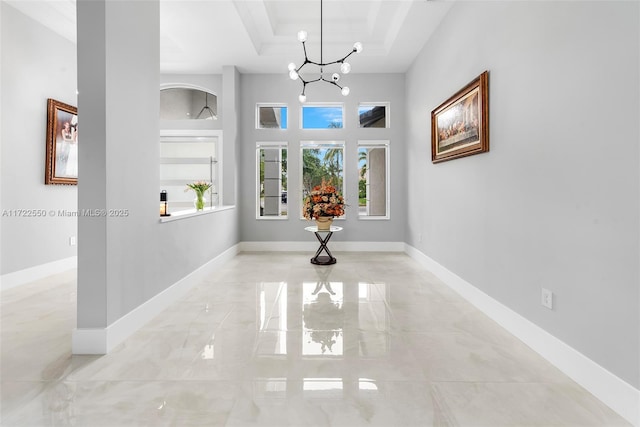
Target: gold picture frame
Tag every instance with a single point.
(61, 166)
(460, 125)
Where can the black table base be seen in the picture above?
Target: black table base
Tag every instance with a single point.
(323, 259)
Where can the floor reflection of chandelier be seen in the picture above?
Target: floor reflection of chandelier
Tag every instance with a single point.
(345, 67)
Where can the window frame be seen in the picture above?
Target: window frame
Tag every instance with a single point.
(368, 143)
(269, 144)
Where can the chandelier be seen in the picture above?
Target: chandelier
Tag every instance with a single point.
(345, 67)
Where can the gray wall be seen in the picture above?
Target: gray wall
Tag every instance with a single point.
(36, 64)
(554, 204)
(266, 88)
(125, 261)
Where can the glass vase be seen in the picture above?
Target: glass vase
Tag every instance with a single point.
(199, 201)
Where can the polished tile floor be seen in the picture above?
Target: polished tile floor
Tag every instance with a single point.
(271, 340)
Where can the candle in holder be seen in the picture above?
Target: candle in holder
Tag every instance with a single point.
(164, 208)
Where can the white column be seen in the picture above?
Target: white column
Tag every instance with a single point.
(118, 128)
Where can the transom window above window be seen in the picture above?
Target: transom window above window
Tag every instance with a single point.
(373, 114)
(322, 116)
(271, 116)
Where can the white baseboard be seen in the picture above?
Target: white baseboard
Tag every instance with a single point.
(312, 246)
(616, 393)
(102, 340)
(28, 275)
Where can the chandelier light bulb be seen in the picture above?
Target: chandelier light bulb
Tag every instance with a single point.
(302, 98)
(357, 46)
(302, 36)
(345, 91)
(335, 77)
(292, 66)
(345, 68)
(293, 75)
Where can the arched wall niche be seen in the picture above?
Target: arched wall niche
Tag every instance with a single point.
(187, 102)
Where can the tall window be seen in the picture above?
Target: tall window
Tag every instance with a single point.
(373, 179)
(322, 116)
(321, 161)
(272, 199)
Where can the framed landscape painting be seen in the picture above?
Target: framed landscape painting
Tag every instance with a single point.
(62, 144)
(460, 125)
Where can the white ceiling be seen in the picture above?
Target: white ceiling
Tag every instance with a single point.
(259, 36)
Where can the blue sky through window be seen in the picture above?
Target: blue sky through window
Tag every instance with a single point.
(283, 117)
(362, 110)
(321, 117)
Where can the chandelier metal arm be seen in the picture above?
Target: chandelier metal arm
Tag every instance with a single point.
(311, 81)
(320, 64)
(348, 55)
(331, 82)
(306, 57)
(321, 78)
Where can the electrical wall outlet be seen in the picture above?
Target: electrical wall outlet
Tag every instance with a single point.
(547, 298)
(72, 241)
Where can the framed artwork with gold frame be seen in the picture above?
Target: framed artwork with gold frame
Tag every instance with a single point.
(62, 144)
(460, 125)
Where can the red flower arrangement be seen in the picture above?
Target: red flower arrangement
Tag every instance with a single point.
(324, 200)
